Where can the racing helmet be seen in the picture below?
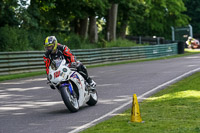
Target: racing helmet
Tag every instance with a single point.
(189, 38)
(50, 44)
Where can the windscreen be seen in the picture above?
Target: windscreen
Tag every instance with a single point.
(55, 64)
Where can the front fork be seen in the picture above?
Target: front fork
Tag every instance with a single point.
(68, 86)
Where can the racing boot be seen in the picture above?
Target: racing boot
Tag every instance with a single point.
(91, 83)
(83, 71)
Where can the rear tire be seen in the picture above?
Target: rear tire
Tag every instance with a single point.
(71, 101)
(93, 98)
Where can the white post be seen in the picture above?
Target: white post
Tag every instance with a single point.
(158, 40)
(173, 35)
(191, 32)
(140, 40)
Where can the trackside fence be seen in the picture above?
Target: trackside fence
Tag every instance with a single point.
(30, 61)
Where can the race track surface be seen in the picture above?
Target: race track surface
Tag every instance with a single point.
(29, 106)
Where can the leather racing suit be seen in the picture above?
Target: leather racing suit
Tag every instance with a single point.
(63, 52)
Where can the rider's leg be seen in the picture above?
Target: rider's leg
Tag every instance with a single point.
(83, 71)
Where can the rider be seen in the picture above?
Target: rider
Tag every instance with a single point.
(55, 50)
(192, 42)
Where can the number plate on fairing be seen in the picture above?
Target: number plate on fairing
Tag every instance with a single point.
(56, 74)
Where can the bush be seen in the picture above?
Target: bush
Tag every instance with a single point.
(122, 43)
(36, 40)
(74, 41)
(22, 43)
(5, 33)
(13, 39)
(17, 39)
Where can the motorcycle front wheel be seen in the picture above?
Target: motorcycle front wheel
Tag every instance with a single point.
(70, 100)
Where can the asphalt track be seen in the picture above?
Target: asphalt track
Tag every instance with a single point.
(29, 106)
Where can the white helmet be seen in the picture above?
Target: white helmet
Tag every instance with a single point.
(189, 38)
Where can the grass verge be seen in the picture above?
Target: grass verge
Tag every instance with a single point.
(175, 109)
(22, 75)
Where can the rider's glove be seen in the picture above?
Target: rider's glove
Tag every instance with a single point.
(73, 64)
(52, 87)
(48, 80)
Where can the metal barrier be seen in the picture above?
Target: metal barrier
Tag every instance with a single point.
(30, 61)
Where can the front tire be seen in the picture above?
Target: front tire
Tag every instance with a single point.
(93, 98)
(71, 101)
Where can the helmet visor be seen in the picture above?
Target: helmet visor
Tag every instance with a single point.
(49, 48)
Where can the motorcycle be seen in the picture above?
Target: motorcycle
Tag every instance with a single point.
(193, 44)
(74, 90)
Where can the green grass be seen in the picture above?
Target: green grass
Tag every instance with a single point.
(22, 75)
(175, 109)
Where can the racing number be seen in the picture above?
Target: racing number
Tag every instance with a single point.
(56, 74)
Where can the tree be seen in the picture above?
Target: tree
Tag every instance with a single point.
(81, 15)
(129, 10)
(38, 15)
(193, 11)
(97, 9)
(111, 22)
(8, 10)
(161, 15)
(93, 35)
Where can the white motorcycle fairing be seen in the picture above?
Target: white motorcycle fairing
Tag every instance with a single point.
(74, 90)
(76, 78)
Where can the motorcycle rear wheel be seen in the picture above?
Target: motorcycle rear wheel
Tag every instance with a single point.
(71, 101)
(93, 98)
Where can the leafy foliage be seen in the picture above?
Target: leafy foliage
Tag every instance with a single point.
(64, 18)
(8, 13)
(13, 39)
(130, 11)
(159, 17)
(193, 10)
(122, 43)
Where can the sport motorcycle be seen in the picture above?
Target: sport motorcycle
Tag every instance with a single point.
(74, 90)
(193, 44)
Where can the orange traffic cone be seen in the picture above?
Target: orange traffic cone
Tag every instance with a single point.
(135, 112)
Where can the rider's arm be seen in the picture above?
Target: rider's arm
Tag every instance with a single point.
(47, 63)
(68, 54)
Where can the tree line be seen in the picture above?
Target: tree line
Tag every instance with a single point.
(95, 20)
